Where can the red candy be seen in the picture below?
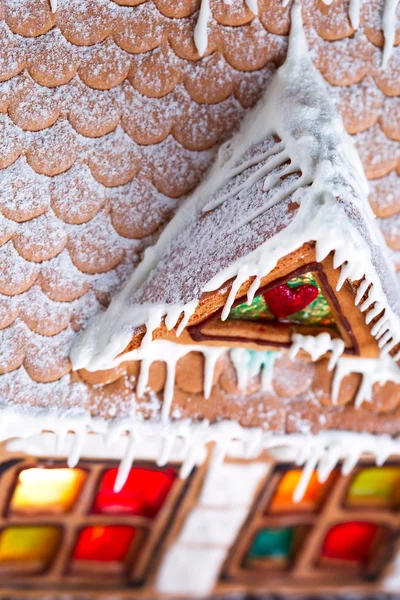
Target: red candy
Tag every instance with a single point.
(284, 300)
(143, 494)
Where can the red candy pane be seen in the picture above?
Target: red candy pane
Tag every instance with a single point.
(104, 543)
(143, 494)
(284, 300)
(350, 542)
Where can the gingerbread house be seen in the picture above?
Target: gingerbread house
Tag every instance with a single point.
(199, 305)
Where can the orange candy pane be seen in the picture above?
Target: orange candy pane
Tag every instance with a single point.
(43, 491)
(29, 543)
(282, 500)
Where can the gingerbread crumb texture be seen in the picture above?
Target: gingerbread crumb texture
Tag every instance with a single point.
(108, 118)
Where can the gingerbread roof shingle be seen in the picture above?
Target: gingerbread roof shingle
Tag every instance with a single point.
(104, 101)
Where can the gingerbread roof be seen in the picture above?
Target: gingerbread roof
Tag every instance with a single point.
(109, 118)
(289, 178)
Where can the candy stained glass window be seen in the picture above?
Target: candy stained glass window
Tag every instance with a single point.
(274, 546)
(46, 490)
(29, 543)
(350, 542)
(375, 487)
(299, 300)
(283, 498)
(104, 543)
(143, 494)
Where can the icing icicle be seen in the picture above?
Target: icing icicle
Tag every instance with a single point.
(389, 29)
(317, 346)
(354, 13)
(251, 363)
(53, 5)
(373, 370)
(187, 441)
(200, 31)
(170, 353)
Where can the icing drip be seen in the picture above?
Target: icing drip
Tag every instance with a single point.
(373, 370)
(170, 353)
(322, 451)
(297, 108)
(317, 346)
(53, 5)
(200, 31)
(389, 29)
(251, 363)
(354, 13)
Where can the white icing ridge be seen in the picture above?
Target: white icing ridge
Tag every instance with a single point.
(322, 451)
(297, 108)
(373, 370)
(317, 346)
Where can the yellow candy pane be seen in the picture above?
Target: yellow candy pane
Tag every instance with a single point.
(377, 486)
(29, 543)
(47, 490)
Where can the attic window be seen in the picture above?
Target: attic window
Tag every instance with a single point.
(299, 300)
(302, 302)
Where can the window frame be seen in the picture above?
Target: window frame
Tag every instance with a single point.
(140, 562)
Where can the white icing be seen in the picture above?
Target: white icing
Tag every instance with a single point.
(389, 20)
(373, 370)
(210, 530)
(354, 13)
(188, 570)
(53, 5)
(317, 346)
(252, 5)
(298, 109)
(194, 437)
(170, 353)
(200, 31)
(251, 363)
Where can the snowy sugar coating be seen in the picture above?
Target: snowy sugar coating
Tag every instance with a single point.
(317, 346)
(389, 19)
(238, 225)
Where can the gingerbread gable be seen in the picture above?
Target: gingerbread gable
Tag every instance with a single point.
(286, 198)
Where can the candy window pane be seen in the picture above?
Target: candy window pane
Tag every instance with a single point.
(377, 487)
(300, 300)
(143, 494)
(284, 498)
(350, 542)
(44, 491)
(109, 543)
(31, 547)
(274, 547)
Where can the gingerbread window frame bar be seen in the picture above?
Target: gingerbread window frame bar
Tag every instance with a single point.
(137, 567)
(305, 574)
